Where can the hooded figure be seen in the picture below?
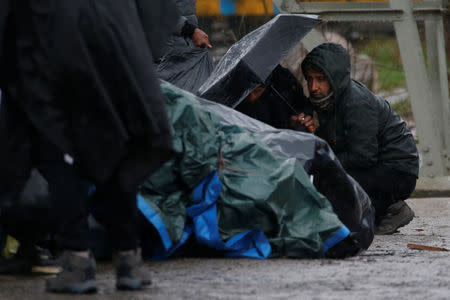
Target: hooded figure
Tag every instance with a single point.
(282, 98)
(81, 104)
(371, 141)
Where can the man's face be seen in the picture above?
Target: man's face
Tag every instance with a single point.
(318, 84)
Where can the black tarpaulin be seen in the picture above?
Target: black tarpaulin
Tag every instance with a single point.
(186, 67)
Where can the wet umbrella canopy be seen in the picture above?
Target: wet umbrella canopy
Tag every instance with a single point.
(249, 62)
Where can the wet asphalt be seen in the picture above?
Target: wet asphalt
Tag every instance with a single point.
(389, 269)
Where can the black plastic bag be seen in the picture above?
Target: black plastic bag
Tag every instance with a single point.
(186, 67)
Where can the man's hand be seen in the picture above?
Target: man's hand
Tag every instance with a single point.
(200, 38)
(302, 122)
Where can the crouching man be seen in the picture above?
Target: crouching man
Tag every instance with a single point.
(372, 142)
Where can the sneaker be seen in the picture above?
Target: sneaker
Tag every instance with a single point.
(131, 272)
(46, 264)
(27, 260)
(21, 262)
(77, 276)
(397, 215)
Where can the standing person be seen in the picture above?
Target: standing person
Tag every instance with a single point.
(81, 104)
(371, 141)
(186, 32)
(185, 60)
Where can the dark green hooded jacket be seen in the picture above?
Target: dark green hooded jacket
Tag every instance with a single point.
(361, 127)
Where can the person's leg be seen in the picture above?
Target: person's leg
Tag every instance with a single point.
(398, 214)
(404, 185)
(387, 189)
(120, 213)
(68, 214)
(69, 209)
(121, 224)
(379, 184)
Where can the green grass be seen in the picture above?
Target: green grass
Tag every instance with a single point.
(404, 109)
(387, 59)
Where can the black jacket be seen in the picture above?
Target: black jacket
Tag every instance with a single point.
(187, 13)
(79, 74)
(273, 110)
(362, 128)
(187, 10)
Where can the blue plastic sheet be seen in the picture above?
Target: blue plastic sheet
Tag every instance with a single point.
(202, 222)
(336, 238)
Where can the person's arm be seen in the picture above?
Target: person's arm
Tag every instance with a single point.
(181, 23)
(198, 36)
(360, 134)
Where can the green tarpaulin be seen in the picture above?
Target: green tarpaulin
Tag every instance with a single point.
(259, 190)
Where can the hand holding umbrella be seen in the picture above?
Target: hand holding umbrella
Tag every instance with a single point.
(302, 121)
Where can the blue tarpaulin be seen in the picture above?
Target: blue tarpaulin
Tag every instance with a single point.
(203, 225)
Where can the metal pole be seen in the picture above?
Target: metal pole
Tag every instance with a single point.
(437, 70)
(419, 87)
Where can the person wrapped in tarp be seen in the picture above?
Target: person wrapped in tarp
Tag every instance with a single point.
(230, 189)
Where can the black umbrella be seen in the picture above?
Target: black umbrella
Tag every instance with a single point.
(250, 61)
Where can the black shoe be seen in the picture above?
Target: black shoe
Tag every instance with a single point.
(131, 272)
(397, 215)
(30, 259)
(46, 263)
(22, 262)
(77, 276)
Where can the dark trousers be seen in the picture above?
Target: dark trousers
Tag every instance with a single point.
(70, 203)
(384, 186)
